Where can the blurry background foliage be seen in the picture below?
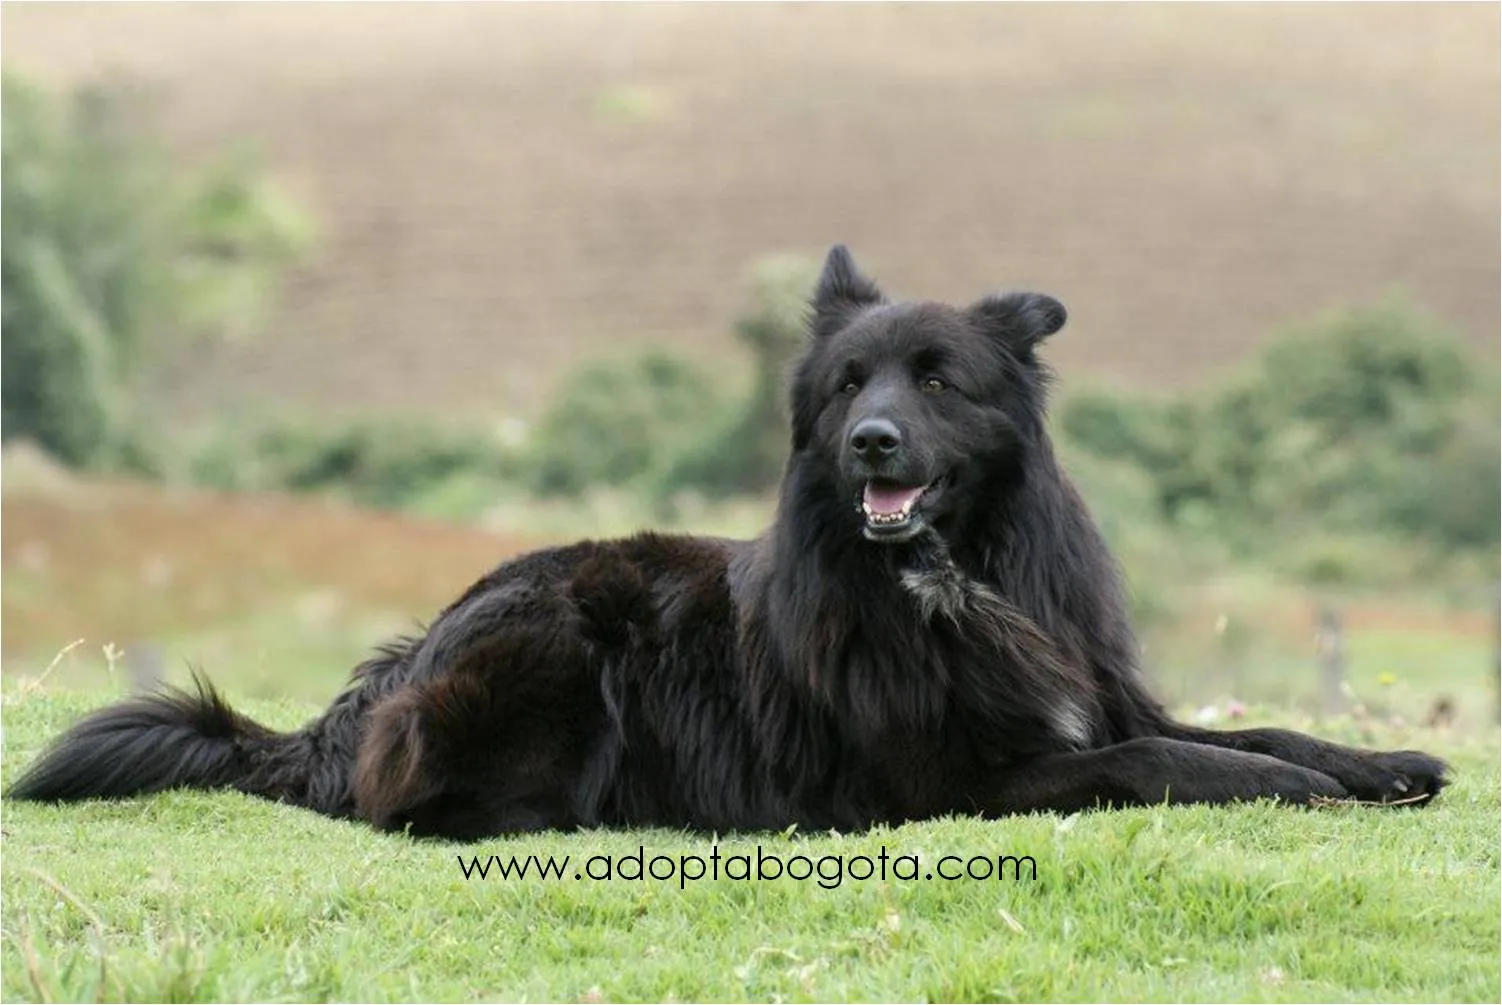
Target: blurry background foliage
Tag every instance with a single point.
(1368, 421)
(112, 253)
(1372, 419)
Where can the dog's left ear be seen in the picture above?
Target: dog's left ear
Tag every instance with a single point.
(1020, 320)
(842, 291)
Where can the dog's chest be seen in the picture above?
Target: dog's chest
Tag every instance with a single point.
(989, 652)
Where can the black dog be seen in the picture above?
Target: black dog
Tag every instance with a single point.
(931, 625)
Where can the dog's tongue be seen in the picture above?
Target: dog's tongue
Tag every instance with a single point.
(888, 498)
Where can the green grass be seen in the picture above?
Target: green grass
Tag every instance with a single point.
(199, 896)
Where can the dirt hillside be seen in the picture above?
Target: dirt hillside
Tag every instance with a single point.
(503, 188)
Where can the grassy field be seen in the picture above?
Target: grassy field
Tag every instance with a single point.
(195, 897)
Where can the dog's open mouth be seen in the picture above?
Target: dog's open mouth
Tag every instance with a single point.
(892, 510)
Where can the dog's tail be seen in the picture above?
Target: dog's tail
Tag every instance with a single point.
(176, 739)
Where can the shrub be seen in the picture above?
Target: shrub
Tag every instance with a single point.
(745, 450)
(385, 464)
(657, 424)
(1365, 421)
(618, 422)
(109, 251)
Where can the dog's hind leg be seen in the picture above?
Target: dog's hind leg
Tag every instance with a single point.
(398, 768)
(1147, 771)
(435, 761)
(1404, 776)
(511, 713)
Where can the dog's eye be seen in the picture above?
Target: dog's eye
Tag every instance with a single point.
(934, 385)
(850, 387)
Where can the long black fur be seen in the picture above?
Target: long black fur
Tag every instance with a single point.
(977, 659)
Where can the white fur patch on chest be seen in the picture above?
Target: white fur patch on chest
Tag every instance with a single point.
(948, 591)
(945, 590)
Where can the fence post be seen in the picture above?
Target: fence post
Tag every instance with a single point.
(1497, 655)
(1330, 653)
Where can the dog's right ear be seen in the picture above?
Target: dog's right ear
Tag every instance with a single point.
(842, 291)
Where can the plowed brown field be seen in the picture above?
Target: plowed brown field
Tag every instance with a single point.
(504, 188)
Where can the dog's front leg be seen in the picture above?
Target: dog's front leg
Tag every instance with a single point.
(1147, 771)
(1377, 776)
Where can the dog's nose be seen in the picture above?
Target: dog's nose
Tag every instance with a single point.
(875, 439)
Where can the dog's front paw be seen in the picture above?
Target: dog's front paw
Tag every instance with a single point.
(1416, 774)
(1405, 777)
(1298, 786)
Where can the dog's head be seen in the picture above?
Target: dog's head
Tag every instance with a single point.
(917, 409)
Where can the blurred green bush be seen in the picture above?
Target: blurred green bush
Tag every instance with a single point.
(109, 252)
(1366, 421)
(743, 451)
(385, 463)
(661, 426)
(619, 423)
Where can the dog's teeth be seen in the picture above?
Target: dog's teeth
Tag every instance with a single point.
(882, 519)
